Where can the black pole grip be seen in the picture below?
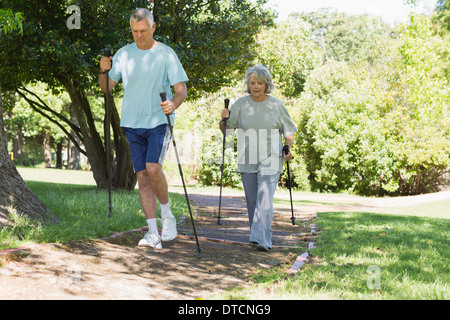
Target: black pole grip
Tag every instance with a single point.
(286, 149)
(163, 96)
(227, 102)
(107, 53)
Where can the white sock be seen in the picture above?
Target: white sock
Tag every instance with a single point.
(152, 224)
(165, 210)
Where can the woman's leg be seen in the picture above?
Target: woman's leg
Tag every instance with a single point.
(249, 181)
(261, 230)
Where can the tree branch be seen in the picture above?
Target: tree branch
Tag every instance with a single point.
(37, 106)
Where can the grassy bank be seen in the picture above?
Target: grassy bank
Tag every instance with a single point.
(82, 211)
(365, 256)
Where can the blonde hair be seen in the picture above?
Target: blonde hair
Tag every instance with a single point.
(261, 73)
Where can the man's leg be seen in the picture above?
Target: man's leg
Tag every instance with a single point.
(161, 191)
(148, 204)
(158, 182)
(146, 195)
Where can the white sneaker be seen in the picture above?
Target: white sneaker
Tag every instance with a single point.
(169, 229)
(151, 239)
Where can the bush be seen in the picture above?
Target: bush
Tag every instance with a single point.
(210, 171)
(340, 136)
(355, 136)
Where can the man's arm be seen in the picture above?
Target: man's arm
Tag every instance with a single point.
(180, 94)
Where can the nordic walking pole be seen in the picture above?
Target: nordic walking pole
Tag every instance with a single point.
(286, 151)
(107, 53)
(227, 102)
(164, 98)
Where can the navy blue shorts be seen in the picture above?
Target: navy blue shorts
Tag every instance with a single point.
(148, 145)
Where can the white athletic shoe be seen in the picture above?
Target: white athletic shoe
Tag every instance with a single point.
(151, 239)
(169, 229)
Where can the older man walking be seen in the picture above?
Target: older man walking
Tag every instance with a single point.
(146, 68)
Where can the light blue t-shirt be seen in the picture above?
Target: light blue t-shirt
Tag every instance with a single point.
(146, 73)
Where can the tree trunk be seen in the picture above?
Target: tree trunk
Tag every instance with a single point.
(18, 144)
(14, 193)
(47, 149)
(73, 161)
(122, 164)
(123, 176)
(59, 159)
(17, 141)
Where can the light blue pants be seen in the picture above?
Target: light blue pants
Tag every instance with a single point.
(259, 191)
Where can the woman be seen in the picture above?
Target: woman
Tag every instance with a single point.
(261, 120)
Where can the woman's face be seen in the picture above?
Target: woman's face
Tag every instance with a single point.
(257, 87)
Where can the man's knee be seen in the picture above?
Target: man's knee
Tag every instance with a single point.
(143, 179)
(154, 171)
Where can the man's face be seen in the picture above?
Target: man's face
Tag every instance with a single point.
(143, 33)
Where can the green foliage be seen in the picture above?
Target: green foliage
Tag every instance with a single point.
(382, 127)
(290, 55)
(211, 37)
(10, 21)
(340, 136)
(441, 20)
(420, 121)
(202, 118)
(345, 37)
(377, 122)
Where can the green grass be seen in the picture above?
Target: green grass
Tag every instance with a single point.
(365, 256)
(439, 209)
(82, 211)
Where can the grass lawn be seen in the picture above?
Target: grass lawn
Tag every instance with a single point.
(82, 209)
(402, 253)
(363, 255)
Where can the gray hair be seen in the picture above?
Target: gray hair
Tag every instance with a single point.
(261, 73)
(141, 14)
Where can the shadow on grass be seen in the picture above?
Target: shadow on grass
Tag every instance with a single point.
(411, 254)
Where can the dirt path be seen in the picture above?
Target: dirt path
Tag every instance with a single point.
(115, 268)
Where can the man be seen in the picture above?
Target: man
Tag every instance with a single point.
(146, 68)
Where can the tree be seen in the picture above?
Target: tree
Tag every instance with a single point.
(421, 119)
(15, 196)
(211, 37)
(290, 54)
(346, 37)
(442, 22)
(28, 125)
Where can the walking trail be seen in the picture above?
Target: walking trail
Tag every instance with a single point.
(115, 268)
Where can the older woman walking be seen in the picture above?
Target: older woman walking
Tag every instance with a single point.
(261, 121)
